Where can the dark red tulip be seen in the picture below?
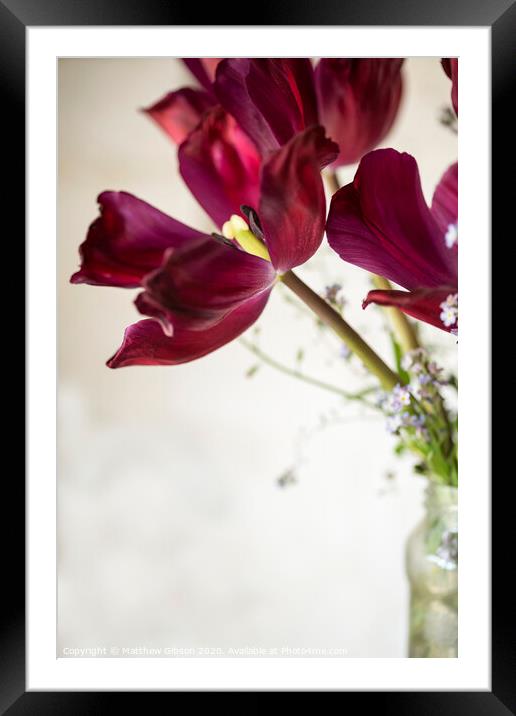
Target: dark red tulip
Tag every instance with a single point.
(221, 166)
(271, 99)
(224, 171)
(382, 223)
(451, 67)
(178, 113)
(356, 100)
(145, 343)
(127, 241)
(203, 291)
(203, 69)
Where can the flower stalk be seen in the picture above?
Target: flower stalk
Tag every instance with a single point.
(403, 329)
(344, 331)
(294, 373)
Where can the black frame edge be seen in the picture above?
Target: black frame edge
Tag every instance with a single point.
(503, 38)
(271, 12)
(15, 15)
(12, 635)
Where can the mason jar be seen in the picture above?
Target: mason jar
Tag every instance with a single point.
(431, 564)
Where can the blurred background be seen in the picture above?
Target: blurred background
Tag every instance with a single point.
(222, 503)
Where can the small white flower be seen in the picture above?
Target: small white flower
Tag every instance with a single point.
(393, 423)
(451, 235)
(450, 310)
(399, 397)
(404, 397)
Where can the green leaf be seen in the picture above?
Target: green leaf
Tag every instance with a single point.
(398, 355)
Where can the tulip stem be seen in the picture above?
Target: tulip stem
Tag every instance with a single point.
(344, 331)
(403, 329)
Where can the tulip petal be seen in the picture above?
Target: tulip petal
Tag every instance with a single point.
(292, 205)
(202, 284)
(284, 92)
(145, 343)
(451, 67)
(179, 112)
(422, 304)
(445, 200)
(233, 94)
(271, 99)
(358, 102)
(381, 223)
(128, 240)
(220, 165)
(203, 69)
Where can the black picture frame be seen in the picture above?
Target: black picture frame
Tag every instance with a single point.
(500, 15)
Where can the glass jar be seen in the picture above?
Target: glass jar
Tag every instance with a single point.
(431, 563)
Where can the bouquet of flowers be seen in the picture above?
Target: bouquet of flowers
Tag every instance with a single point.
(258, 141)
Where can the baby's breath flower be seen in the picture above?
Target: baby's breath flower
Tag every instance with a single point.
(414, 360)
(450, 310)
(393, 423)
(399, 398)
(451, 235)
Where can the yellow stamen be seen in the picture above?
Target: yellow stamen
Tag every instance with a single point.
(237, 228)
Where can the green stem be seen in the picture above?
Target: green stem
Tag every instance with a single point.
(401, 326)
(446, 420)
(352, 339)
(444, 416)
(273, 363)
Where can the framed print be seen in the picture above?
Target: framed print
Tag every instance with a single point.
(244, 359)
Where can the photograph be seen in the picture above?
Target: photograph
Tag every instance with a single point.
(257, 375)
(244, 465)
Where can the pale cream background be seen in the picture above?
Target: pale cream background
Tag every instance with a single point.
(172, 528)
